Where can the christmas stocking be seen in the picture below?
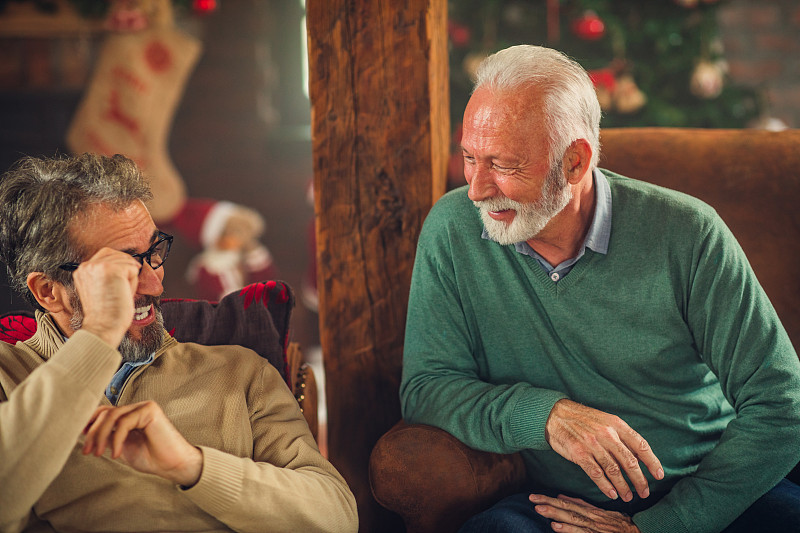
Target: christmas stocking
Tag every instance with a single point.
(128, 109)
(136, 86)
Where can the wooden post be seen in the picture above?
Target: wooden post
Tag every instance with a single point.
(380, 131)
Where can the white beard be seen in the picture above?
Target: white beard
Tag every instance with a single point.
(530, 218)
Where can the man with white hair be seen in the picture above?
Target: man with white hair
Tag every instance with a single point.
(610, 330)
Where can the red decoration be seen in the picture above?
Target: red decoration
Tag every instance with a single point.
(458, 33)
(203, 7)
(158, 57)
(589, 26)
(603, 78)
(126, 16)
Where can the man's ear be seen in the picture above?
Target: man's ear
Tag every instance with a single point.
(577, 159)
(50, 294)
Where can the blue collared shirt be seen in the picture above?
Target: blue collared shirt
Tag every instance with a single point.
(597, 238)
(118, 381)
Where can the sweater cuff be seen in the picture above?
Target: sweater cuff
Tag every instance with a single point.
(88, 359)
(530, 415)
(220, 484)
(660, 518)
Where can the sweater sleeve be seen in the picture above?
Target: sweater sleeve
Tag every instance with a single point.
(442, 383)
(740, 337)
(42, 418)
(287, 484)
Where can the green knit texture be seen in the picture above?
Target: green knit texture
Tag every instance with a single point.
(670, 331)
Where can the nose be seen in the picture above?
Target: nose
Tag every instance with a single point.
(481, 183)
(150, 280)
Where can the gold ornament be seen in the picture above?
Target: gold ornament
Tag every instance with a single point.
(707, 79)
(627, 96)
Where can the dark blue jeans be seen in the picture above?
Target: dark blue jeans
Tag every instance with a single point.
(778, 511)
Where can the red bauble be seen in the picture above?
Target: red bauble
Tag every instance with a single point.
(589, 26)
(603, 77)
(459, 34)
(204, 6)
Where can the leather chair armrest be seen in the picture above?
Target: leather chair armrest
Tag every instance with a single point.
(435, 482)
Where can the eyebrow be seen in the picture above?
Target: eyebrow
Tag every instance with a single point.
(153, 238)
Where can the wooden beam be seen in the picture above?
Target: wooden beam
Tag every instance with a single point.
(380, 132)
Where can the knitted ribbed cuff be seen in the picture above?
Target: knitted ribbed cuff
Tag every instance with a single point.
(220, 484)
(660, 518)
(87, 359)
(530, 416)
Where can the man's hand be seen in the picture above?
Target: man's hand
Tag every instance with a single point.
(144, 437)
(604, 446)
(573, 515)
(106, 284)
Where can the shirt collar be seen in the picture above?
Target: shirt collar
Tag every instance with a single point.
(599, 234)
(600, 229)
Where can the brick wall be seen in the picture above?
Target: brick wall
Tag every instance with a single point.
(762, 46)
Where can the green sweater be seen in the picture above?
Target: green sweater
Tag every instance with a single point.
(670, 331)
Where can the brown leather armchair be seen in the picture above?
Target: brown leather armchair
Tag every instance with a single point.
(751, 177)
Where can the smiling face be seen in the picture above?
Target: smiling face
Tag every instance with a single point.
(129, 230)
(507, 164)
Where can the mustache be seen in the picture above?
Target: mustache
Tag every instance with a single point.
(499, 203)
(141, 301)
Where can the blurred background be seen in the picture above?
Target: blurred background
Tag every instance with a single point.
(236, 126)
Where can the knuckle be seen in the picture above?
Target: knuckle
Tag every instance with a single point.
(577, 518)
(613, 469)
(581, 456)
(631, 463)
(611, 435)
(595, 472)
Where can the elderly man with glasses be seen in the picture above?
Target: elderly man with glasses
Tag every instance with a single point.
(186, 437)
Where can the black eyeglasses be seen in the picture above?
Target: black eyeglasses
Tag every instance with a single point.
(155, 256)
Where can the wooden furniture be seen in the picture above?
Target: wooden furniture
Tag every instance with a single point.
(751, 177)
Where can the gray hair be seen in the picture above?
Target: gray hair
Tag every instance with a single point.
(571, 108)
(40, 198)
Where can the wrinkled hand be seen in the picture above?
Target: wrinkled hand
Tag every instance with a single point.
(573, 515)
(144, 437)
(106, 284)
(604, 446)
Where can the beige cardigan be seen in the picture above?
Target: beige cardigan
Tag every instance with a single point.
(262, 469)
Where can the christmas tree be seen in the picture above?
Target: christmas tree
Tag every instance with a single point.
(657, 63)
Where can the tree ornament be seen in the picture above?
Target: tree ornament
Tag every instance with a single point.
(471, 63)
(459, 34)
(514, 14)
(627, 96)
(768, 123)
(707, 79)
(604, 85)
(589, 26)
(204, 7)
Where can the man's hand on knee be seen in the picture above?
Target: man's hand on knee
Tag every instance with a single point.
(604, 446)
